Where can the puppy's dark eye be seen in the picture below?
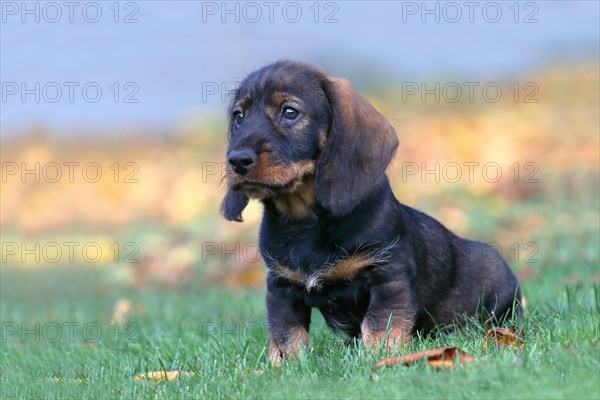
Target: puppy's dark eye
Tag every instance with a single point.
(290, 114)
(238, 118)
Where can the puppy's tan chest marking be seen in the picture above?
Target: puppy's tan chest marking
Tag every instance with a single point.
(343, 270)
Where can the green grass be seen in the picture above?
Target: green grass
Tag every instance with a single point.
(220, 335)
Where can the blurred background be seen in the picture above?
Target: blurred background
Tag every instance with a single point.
(113, 134)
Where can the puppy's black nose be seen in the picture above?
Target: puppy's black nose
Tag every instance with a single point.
(242, 161)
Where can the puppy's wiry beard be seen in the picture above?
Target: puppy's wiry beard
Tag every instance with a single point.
(269, 180)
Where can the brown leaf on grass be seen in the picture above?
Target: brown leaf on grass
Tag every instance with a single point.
(447, 357)
(161, 376)
(511, 338)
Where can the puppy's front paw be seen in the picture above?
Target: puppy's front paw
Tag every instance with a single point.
(275, 356)
(393, 339)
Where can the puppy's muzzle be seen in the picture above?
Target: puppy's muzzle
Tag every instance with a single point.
(242, 161)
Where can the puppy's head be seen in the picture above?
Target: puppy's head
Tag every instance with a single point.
(293, 127)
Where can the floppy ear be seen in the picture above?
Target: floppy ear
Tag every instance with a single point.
(360, 146)
(233, 205)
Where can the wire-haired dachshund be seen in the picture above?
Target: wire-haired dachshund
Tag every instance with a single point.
(333, 235)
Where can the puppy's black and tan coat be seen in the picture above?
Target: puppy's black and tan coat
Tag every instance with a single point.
(333, 235)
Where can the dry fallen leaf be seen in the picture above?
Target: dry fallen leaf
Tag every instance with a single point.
(503, 337)
(446, 357)
(160, 376)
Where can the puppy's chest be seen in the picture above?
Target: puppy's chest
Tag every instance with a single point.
(316, 277)
(315, 255)
(314, 268)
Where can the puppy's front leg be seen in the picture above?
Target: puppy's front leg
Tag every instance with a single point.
(390, 318)
(289, 320)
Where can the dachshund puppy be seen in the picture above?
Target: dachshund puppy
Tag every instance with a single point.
(333, 235)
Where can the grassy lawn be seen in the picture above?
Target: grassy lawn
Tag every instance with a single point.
(219, 335)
